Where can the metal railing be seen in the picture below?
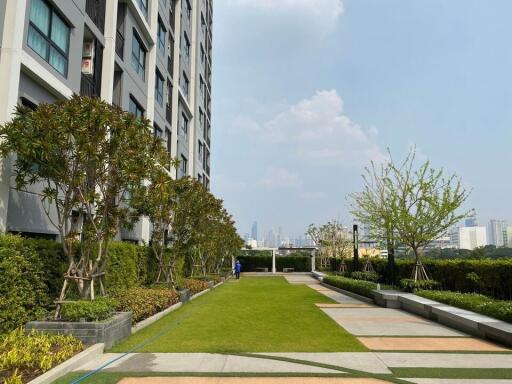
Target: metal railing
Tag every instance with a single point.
(95, 9)
(88, 86)
(120, 44)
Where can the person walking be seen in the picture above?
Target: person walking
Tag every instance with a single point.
(238, 269)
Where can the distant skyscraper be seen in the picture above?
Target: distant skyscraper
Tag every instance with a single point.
(471, 221)
(472, 237)
(496, 232)
(254, 231)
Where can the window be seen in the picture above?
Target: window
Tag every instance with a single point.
(161, 37)
(188, 9)
(169, 140)
(48, 35)
(159, 88)
(203, 55)
(185, 84)
(157, 131)
(199, 177)
(135, 107)
(200, 151)
(143, 5)
(184, 126)
(203, 28)
(138, 56)
(186, 47)
(201, 88)
(201, 118)
(183, 165)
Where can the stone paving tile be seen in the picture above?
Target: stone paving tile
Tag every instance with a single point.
(445, 360)
(429, 344)
(349, 305)
(460, 381)
(249, 380)
(387, 322)
(360, 361)
(300, 279)
(198, 362)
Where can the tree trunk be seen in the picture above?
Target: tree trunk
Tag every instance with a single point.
(391, 262)
(419, 273)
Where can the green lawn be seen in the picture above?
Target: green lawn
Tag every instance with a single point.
(258, 314)
(454, 373)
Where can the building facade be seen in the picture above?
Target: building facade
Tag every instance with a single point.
(496, 232)
(472, 237)
(150, 57)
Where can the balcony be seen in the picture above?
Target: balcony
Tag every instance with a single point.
(120, 44)
(95, 9)
(88, 87)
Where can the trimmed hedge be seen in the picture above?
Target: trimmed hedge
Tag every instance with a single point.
(145, 302)
(97, 310)
(410, 285)
(361, 287)
(194, 285)
(490, 277)
(298, 263)
(23, 293)
(498, 309)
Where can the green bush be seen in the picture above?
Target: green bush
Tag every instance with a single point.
(299, 263)
(194, 285)
(144, 302)
(23, 294)
(410, 285)
(96, 310)
(24, 356)
(363, 288)
(366, 276)
(123, 266)
(498, 309)
(452, 275)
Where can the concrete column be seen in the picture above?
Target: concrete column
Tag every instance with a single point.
(10, 66)
(313, 261)
(273, 261)
(151, 74)
(176, 78)
(192, 91)
(109, 51)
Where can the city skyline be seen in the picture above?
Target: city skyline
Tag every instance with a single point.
(400, 82)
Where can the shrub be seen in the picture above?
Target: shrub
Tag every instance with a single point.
(452, 275)
(410, 285)
(499, 309)
(122, 269)
(363, 288)
(298, 263)
(145, 302)
(23, 294)
(96, 310)
(366, 276)
(23, 356)
(194, 285)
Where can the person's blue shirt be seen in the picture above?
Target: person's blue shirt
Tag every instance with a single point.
(238, 267)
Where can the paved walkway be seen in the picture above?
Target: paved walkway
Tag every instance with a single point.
(249, 380)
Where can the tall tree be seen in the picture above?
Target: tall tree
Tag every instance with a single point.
(88, 156)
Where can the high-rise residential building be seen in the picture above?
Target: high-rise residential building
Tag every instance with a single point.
(496, 232)
(471, 221)
(508, 237)
(149, 57)
(254, 231)
(472, 237)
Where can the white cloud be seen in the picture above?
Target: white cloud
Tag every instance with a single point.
(318, 131)
(281, 178)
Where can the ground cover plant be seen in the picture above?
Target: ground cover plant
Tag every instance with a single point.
(23, 356)
(361, 287)
(145, 302)
(499, 309)
(259, 314)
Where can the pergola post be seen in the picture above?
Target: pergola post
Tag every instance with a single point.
(273, 261)
(313, 261)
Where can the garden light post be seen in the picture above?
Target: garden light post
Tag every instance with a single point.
(356, 247)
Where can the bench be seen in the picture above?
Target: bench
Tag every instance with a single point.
(285, 270)
(261, 269)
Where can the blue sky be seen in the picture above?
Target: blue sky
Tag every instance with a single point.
(308, 92)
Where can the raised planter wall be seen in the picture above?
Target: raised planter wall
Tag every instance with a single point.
(108, 332)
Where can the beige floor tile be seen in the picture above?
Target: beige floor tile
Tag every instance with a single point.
(429, 344)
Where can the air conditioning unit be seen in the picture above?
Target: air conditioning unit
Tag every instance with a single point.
(87, 66)
(88, 49)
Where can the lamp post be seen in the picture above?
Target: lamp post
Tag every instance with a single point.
(356, 247)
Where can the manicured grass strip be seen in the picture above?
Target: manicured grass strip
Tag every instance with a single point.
(454, 373)
(259, 314)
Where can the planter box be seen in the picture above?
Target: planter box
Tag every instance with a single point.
(108, 332)
(184, 295)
